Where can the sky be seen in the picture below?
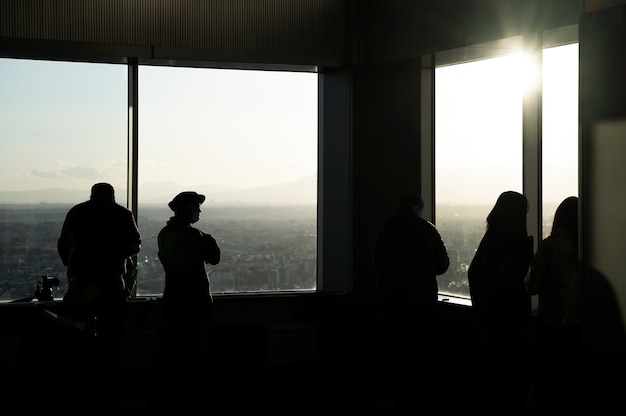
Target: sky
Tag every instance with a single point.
(239, 129)
(64, 125)
(478, 126)
(478, 122)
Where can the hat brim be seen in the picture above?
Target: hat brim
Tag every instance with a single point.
(185, 198)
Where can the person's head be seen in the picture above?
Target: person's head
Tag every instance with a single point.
(509, 211)
(413, 200)
(566, 215)
(102, 192)
(186, 205)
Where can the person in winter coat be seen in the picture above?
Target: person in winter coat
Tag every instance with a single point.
(184, 252)
(555, 276)
(409, 255)
(501, 305)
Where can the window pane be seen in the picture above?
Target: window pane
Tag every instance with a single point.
(560, 128)
(248, 141)
(63, 127)
(478, 154)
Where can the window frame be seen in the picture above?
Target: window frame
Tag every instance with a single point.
(531, 43)
(134, 148)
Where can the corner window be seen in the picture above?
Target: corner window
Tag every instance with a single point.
(480, 141)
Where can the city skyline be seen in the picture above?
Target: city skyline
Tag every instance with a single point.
(300, 191)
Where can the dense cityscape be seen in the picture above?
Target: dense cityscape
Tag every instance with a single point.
(264, 248)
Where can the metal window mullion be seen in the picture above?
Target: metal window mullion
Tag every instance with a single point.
(427, 123)
(133, 136)
(532, 138)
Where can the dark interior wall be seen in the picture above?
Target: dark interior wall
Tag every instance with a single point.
(603, 145)
(334, 183)
(386, 155)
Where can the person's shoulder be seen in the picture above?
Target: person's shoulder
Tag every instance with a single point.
(79, 208)
(559, 240)
(196, 230)
(119, 206)
(121, 209)
(427, 224)
(167, 229)
(560, 233)
(80, 205)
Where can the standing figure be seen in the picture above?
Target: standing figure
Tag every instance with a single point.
(184, 252)
(409, 255)
(97, 239)
(555, 275)
(501, 305)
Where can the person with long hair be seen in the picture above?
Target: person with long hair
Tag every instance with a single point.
(501, 305)
(555, 276)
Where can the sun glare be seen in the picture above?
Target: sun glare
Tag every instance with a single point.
(528, 71)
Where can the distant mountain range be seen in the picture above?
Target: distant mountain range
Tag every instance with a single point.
(302, 191)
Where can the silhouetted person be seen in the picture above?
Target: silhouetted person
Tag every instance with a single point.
(555, 275)
(97, 238)
(409, 255)
(184, 252)
(501, 305)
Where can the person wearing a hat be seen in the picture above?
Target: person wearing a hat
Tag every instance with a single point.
(184, 252)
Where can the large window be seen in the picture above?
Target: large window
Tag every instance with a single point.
(246, 139)
(478, 153)
(479, 141)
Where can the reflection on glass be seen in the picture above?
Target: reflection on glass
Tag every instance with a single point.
(63, 127)
(478, 153)
(248, 141)
(560, 128)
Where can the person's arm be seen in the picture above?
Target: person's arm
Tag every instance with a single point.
(212, 252)
(63, 243)
(441, 260)
(132, 243)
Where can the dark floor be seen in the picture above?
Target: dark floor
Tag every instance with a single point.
(277, 392)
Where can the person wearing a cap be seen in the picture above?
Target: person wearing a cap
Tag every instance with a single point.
(184, 252)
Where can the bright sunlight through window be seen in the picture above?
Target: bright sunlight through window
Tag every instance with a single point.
(479, 144)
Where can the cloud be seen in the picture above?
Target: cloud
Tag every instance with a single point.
(82, 172)
(117, 162)
(46, 174)
(75, 172)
